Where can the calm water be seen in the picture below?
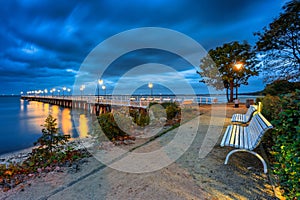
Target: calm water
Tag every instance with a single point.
(20, 122)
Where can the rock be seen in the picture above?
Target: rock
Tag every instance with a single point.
(39, 170)
(57, 169)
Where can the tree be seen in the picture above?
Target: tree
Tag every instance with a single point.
(229, 66)
(279, 45)
(51, 138)
(281, 87)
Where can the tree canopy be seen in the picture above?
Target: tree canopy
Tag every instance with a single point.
(220, 70)
(279, 45)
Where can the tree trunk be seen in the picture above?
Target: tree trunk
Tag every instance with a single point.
(236, 92)
(227, 94)
(231, 91)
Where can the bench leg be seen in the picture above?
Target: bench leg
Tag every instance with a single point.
(252, 152)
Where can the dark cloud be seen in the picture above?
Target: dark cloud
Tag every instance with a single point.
(40, 40)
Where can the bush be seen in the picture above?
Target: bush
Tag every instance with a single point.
(172, 109)
(109, 126)
(140, 117)
(285, 116)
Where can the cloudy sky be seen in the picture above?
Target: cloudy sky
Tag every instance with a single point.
(44, 43)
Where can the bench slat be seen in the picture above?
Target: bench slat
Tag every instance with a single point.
(232, 136)
(226, 136)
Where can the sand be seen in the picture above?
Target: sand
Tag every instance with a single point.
(189, 177)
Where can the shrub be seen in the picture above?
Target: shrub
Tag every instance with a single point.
(109, 126)
(271, 106)
(285, 116)
(140, 117)
(172, 109)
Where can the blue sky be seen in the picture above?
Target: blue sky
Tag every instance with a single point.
(43, 43)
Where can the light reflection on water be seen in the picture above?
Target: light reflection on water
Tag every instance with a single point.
(38, 112)
(21, 121)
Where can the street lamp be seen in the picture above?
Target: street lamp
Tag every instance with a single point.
(100, 82)
(238, 66)
(53, 91)
(104, 88)
(150, 85)
(45, 92)
(69, 91)
(58, 92)
(64, 89)
(81, 90)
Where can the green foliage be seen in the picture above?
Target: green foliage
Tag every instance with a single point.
(281, 87)
(140, 117)
(172, 109)
(218, 68)
(271, 106)
(285, 115)
(279, 43)
(51, 139)
(109, 126)
(50, 143)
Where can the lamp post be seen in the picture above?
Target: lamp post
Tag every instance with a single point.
(150, 85)
(58, 92)
(53, 91)
(64, 89)
(237, 68)
(69, 91)
(45, 92)
(100, 82)
(81, 90)
(104, 88)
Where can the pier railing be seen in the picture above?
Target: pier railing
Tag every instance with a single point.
(129, 100)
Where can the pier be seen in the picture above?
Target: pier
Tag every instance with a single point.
(102, 104)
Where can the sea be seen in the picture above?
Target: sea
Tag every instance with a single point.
(20, 121)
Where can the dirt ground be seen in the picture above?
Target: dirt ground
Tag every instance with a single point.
(189, 177)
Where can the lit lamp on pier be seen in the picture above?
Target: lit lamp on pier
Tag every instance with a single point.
(21, 93)
(53, 91)
(45, 92)
(69, 91)
(150, 85)
(104, 88)
(64, 89)
(100, 82)
(81, 90)
(58, 92)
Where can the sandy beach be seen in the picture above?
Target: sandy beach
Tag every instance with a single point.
(190, 177)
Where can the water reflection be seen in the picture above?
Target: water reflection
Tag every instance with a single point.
(66, 123)
(83, 126)
(37, 112)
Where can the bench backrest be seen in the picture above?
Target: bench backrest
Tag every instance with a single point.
(256, 129)
(249, 112)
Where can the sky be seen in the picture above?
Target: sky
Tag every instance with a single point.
(44, 44)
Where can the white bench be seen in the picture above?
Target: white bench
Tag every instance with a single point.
(244, 118)
(245, 139)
